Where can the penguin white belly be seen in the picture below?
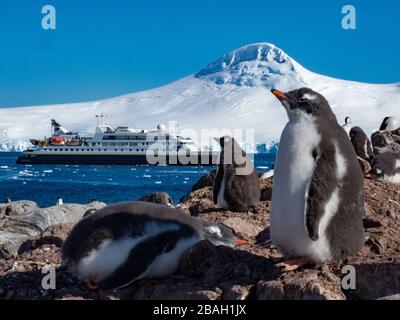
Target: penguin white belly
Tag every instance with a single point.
(104, 260)
(293, 171)
(221, 198)
(167, 263)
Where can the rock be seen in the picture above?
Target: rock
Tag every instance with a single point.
(307, 285)
(198, 259)
(365, 166)
(10, 243)
(385, 141)
(39, 220)
(191, 203)
(176, 290)
(375, 279)
(236, 292)
(52, 235)
(17, 208)
(205, 181)
(158, 197)
(242, 227)
(29, 226)
(201, 206)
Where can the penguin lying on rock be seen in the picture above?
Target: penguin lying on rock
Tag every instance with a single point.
(318, 199)
(386, 167)
(236, 186)
(389, 124)
(119, 244)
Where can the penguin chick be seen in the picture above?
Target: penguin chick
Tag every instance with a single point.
(386, 167)
(389, 124)
(236, 186)
(114, 246)
(361, 143)
(317, 198)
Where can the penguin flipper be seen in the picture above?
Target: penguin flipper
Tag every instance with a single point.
(317, 195)
(217, 183)
(133, 267)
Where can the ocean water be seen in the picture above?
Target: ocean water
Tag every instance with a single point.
(45, 184)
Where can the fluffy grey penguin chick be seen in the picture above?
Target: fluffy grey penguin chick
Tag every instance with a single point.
(361, 143)
(386, 167)
(119, 244)
(318, 198)
(236, 185)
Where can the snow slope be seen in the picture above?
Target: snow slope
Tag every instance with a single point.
(232, 92)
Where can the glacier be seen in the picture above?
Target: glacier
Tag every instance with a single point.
(232, 93)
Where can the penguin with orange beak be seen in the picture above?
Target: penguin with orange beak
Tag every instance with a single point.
(318, 199)
(120, 244)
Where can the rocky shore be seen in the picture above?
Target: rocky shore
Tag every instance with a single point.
(31, 237)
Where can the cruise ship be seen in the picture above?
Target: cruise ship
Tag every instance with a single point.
(119, 146)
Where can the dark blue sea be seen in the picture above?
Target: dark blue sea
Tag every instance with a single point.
(45, 184)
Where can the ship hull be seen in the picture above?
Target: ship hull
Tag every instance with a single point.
(197, 160)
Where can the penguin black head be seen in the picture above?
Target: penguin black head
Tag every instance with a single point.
(221, 235)
(231, 152)
(302, 102)
(347, 120)
(388, 124)
(356, 131)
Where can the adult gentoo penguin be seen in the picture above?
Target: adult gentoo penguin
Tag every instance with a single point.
(236, 186)
(386, 167)
(347, 125)
(389, 124)
(119, 244)
(361, 143)
(318, 200)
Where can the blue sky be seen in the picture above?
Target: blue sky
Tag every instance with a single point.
(106, 48)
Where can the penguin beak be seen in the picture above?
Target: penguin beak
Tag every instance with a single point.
(217, 140)
(240, 242)
(279, 94)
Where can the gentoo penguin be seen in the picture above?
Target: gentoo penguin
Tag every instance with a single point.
(361, 143)
(386, 167)
(389, 124)
(318, 200)
(236, 185)
(347, 125)
(119, 244)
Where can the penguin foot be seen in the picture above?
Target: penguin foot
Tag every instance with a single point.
(91, 285)
(293, 265)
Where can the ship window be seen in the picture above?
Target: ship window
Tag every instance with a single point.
(122, 149)
(55, 149)
(116, 149)
(130, 150)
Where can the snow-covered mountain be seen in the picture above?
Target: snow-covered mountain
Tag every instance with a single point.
(230, 93)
